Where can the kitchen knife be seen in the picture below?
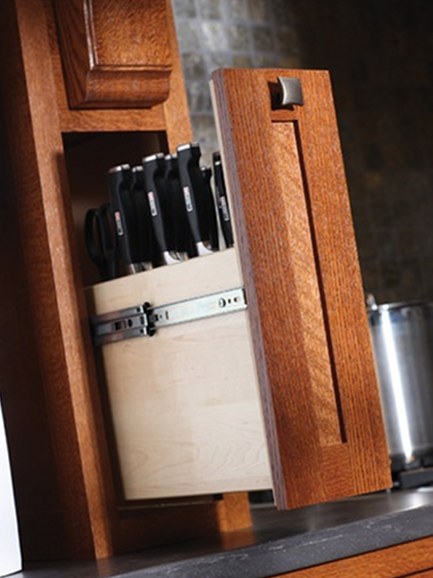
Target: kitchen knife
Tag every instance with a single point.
(119, 181)
(210, 207)
(222, 201)
(154, 175)
(183, 240)
(191, 179)
(145, 242)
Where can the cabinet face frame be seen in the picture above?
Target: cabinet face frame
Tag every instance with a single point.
(298, 254)
(38, 114)
(89, 521)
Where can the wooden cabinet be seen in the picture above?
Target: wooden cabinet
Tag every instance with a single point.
(66, 495)
(295, 254)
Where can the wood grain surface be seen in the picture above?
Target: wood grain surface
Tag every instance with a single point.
(115, 54)
(85, 514)
(185, 402)
(319, 450)
(312, 345)
(51, 274)
(20, 388)
(411, 559)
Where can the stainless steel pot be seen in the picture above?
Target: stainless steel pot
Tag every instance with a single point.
(402, 335)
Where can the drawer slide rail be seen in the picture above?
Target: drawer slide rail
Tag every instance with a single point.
(144, 320)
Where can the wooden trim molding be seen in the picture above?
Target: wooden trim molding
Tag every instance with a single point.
(79, 513)
(103, 67)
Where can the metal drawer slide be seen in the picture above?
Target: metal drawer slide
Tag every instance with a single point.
(144, 320)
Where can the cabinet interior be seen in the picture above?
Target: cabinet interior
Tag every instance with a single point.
(214, 440)
(88, 156)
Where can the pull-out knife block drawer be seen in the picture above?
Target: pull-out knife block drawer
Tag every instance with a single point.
(184, 402)
(195, 406)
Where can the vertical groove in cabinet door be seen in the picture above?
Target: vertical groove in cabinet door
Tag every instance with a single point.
(305, 284)
(344, 306)
(302, 279)
(300, 249)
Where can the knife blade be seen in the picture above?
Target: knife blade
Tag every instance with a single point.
(222, 201)
(188, 156)
(119, 180)
(154, 171)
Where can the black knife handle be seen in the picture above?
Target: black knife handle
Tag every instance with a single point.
(188, 156)
(154, 169)
(119, 180)
(144, 220)
(183, 240)
(222, 200)
(206, 173)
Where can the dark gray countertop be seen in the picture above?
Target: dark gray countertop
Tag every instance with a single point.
(280, 541)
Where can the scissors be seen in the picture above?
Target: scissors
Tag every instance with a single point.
(100, 239)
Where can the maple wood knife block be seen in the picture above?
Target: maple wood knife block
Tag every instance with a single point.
(184, 402)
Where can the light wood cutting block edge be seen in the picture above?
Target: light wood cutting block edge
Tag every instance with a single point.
(185, 402)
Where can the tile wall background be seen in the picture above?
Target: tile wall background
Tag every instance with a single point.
(380, 55)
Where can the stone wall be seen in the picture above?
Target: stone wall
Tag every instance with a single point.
(380, 55)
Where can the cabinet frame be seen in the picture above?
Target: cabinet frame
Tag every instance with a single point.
(87, 520)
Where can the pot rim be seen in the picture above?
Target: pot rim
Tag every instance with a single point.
(399, 305)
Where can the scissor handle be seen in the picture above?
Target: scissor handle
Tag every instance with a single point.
(100, 241)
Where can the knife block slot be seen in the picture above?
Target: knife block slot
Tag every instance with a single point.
(184, 404)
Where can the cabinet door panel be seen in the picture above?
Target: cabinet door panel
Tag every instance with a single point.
(300, 267)
(114, 54)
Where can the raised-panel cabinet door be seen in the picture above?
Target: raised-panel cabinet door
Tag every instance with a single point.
(114, 53)
(303, 285)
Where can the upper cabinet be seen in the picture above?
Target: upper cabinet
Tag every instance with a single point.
(114, 54)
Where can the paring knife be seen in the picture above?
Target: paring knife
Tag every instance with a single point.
(191, 179)
(210, 207)
(154, 172)
(119, 181)
(222, 201)
(145, 242)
